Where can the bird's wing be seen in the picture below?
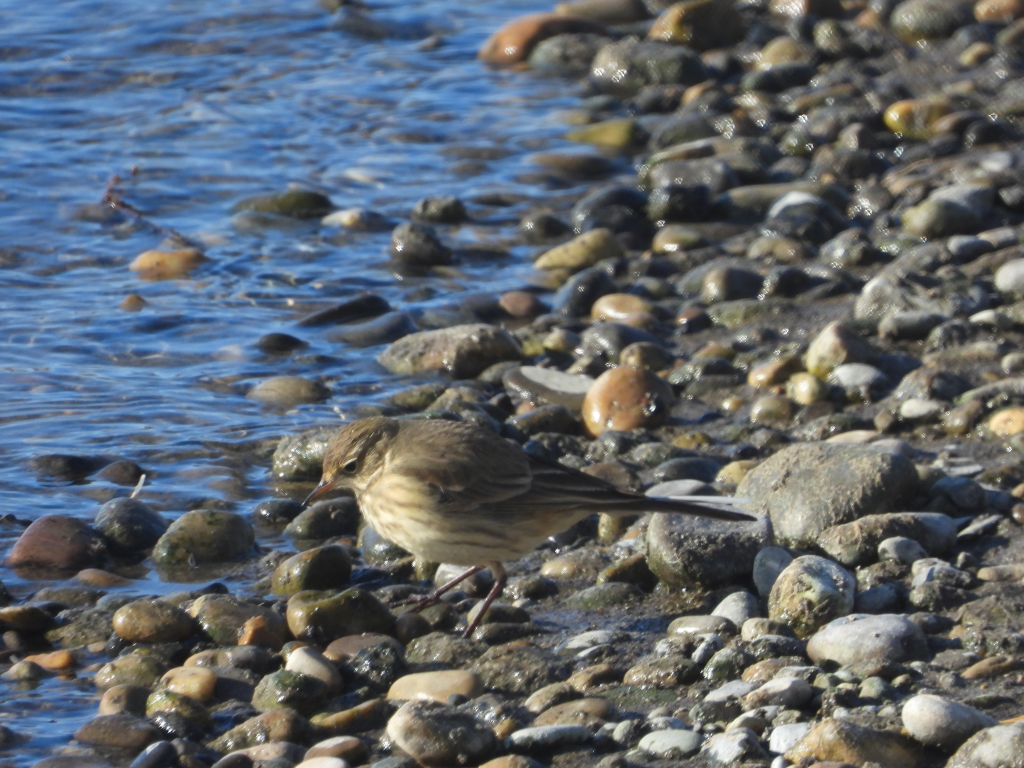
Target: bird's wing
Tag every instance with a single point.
(477, 469)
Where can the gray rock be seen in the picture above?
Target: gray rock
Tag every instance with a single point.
(856, 543)
(301, 456)
(547, 738)
(205, 536)
(547, 385)
(886, 637)
(689, 551)
(860, 381)
(437, 734)
(810, 487)
(674, 744)
(627, 66)
(289, 391)
(811, 592)
(732, 747)
(938, 722)
(738, 607)
(463, 351)
(129, 525)
(1009, 278)
(1001, 746)
(769, 563)
(901, 549)
(731, 691)
(784, 737)
(786, 692)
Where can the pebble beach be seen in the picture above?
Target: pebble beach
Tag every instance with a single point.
(771, 250)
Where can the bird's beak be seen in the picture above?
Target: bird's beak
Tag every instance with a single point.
(324, 488)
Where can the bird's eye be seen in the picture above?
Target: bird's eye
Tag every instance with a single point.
(349, 467)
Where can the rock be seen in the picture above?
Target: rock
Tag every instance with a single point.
(810, 487)
(936, 721)
(700, 24)
(198, 683)
(785, 737)
(168, 706)
(1009, 278)
(547, 385)
(514, 42)
(310, 662)
(856, 543)
(322, 616)
(785, 692)
(548, 738)
(415, 244)
(223, 617)
(119, 731)
(738, 608)
(769, 563)
(811, 592)
(295, 203)
(674, 744)
(836, 345)
(290, 690)
(844, 741)
(463, 351)
(319, 568)
(325, 520)
(519, 668)
(153, 621)
(582, 251)
(289, 391)
(914, 20)
(362, 307)
(689, 551)
(58, 542)
(167, 265)
(437, 686)
(205, 536)
(279, 725)
(627, 66)
(886, 637)
(625, 398)
(301, 456)
(129, 525)
(124, 699)
(1001, 746)
(733, 747)
(435, 734)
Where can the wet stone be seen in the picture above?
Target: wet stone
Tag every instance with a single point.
(848, 742)
(320, 568)
(58, 542)
(519, 668)
(626, 398)
(542, 739)
(939, 722)
(325, 520)
(206, 537)
(811, 592)
(418, 244)
(153, 621)
(223, 617)
(310, 662)
(129, 525)
(289, 391)
(436, 734)
(301, 456)
(463, 351)
(322, 615)
(290, 690)
(120, 731)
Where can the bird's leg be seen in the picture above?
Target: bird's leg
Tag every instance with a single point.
(500, 578)
(435, 596)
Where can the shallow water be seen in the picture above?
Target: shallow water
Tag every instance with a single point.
(193, 106)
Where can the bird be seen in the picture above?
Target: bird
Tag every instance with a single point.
(453, 492)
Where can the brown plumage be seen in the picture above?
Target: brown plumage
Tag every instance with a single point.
(455, 493)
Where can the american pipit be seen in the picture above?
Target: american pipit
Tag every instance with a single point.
(455, 493)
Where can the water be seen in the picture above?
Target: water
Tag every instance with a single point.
(185, 108)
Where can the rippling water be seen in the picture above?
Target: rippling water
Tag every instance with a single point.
(193, 106)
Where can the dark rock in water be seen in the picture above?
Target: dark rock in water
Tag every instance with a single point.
(57, 541)
(442, 209)
(807, 488)
(129, 525)
(385, 329)
(417, 244)
(294, 204)
(301, 456)
(122, 472)
(463, 351)
(354, 310)
(279, 343)
(327, 567)
(66, 467)
(627, 66)
(578, 294)
(326, 519)
(617, 208)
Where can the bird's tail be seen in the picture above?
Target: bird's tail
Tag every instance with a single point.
(711, 507)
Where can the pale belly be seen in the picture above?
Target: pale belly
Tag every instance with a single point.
(476, 538)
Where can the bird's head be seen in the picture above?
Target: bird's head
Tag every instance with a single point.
(355, 454)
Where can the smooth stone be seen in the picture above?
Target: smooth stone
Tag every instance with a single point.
(153, 621)
(687, 551)
(323, 520)
(348, 748)
(280, 725)
(120, 731)
(205, 536)
(939, 722)
(198, 683)
(437, 686)
(784, 737)
(733, 747)
(513, 42)
(547, 385)
(289, 391)
(548, 738)
(1007, 422)
(130, 669)
(327, 567)
(836, 345)
(1009, 278)
(323, 762)
(417, 245)
(885, 637)
(731, 691)
(809, 487)
(129, 525)
(223, 617)
(295, 202)
(124, 700)
(167, 265)
(581, 252)
(738, 608)
(811, 592)
(673, 744)
(625, 398)
(463, 351)
(310, 662)
(844, 741)
(438, 735)
(519, 669)
(290, 690)
(300, 456)
(58, 542)
(769, 563)
(786, 692)
(164, 702)
(323, 616)
(702, 625)
(1001, 746)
